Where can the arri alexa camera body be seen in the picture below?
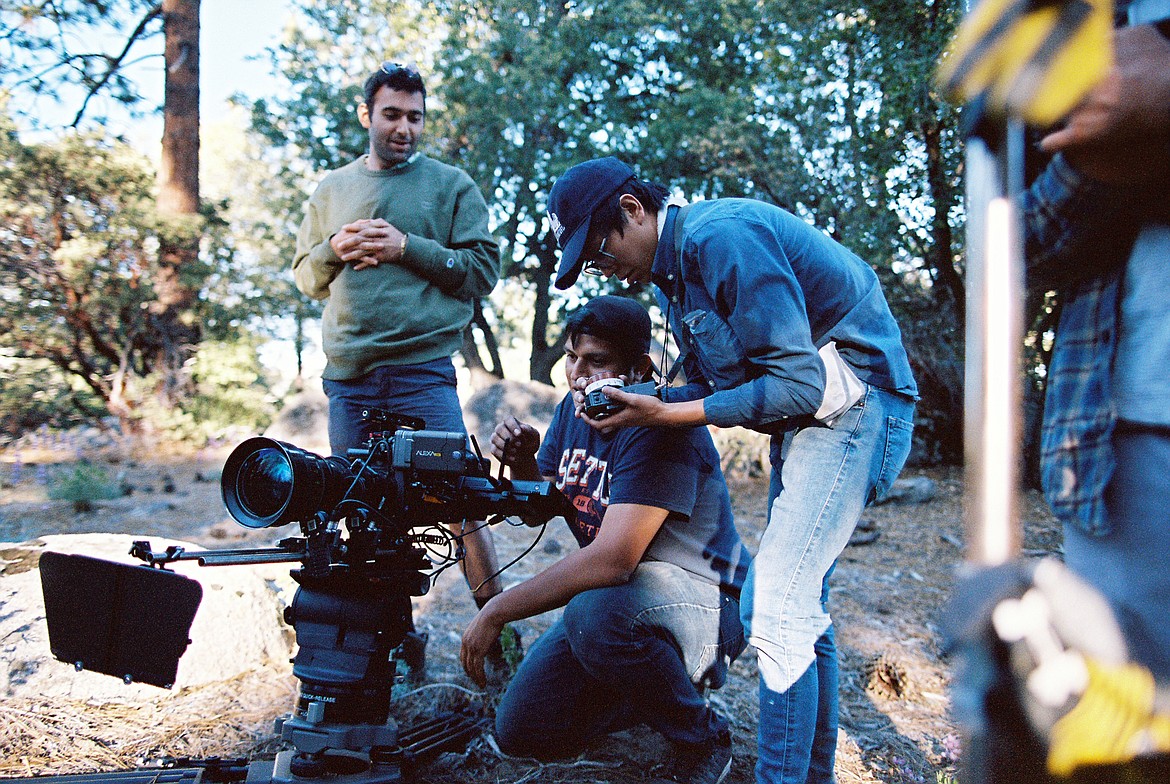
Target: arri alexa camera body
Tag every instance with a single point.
(375, 529)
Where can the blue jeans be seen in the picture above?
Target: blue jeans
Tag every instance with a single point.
(621, 656)
(425, 390)
(822, 478)
(1128, 564)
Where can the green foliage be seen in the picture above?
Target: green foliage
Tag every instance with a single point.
(35, 393)
(79, 239)
(231, 397)
(252, 246)
(534, 87)
(511, 649)
(83, 484)
(77, 225)
(824, 108)
(231, 393)
(73, 51)
(880, 157)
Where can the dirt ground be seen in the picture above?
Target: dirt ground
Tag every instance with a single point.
(896, 724)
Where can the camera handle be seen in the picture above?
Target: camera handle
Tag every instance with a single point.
(318, 549)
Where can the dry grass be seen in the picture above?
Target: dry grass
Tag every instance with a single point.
(229, 718)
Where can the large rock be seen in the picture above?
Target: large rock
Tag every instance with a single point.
(743, 453)
(910, 490)
(238, 627)
(304, 421)
(528, 401)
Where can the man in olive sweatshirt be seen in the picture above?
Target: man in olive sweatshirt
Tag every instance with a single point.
(399, 244)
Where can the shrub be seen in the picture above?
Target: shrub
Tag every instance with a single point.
(83, 484)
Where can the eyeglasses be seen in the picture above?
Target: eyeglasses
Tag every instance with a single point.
(390, 69)
(602, 262)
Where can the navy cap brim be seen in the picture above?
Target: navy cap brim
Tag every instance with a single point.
(571, 262)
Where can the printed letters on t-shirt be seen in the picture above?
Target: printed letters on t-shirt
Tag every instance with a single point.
(584, 479)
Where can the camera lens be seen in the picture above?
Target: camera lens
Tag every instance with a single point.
(265, 483)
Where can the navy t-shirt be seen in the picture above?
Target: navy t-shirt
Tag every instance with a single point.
(676, 469)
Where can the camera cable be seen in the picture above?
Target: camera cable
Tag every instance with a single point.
(515, 560)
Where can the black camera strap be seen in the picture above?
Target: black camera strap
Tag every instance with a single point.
(669, 376)
(683, 352)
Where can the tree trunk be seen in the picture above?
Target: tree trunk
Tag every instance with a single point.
(941, 253)
(300, 343)
(481, 376)
(544, 356)
(176, 331)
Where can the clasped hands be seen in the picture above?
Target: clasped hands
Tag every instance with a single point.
(368, 243)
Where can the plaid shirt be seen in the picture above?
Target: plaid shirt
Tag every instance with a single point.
(1078, 235)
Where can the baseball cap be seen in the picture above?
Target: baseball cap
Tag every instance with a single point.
(571, 202)
(618, 320)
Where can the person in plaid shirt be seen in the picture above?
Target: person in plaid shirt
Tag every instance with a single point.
(1097, 230)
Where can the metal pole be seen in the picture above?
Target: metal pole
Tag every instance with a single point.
(992, 427)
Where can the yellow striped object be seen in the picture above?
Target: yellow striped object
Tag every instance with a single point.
(1114, 721)
(1029, 59)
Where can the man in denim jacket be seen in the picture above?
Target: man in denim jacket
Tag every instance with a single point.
(784, 331)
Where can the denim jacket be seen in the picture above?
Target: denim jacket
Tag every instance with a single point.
(753, 294)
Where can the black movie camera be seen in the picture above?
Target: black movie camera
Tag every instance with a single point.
(375, 528)
(598, 406)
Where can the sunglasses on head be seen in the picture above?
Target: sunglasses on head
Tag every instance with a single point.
(390, 68)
